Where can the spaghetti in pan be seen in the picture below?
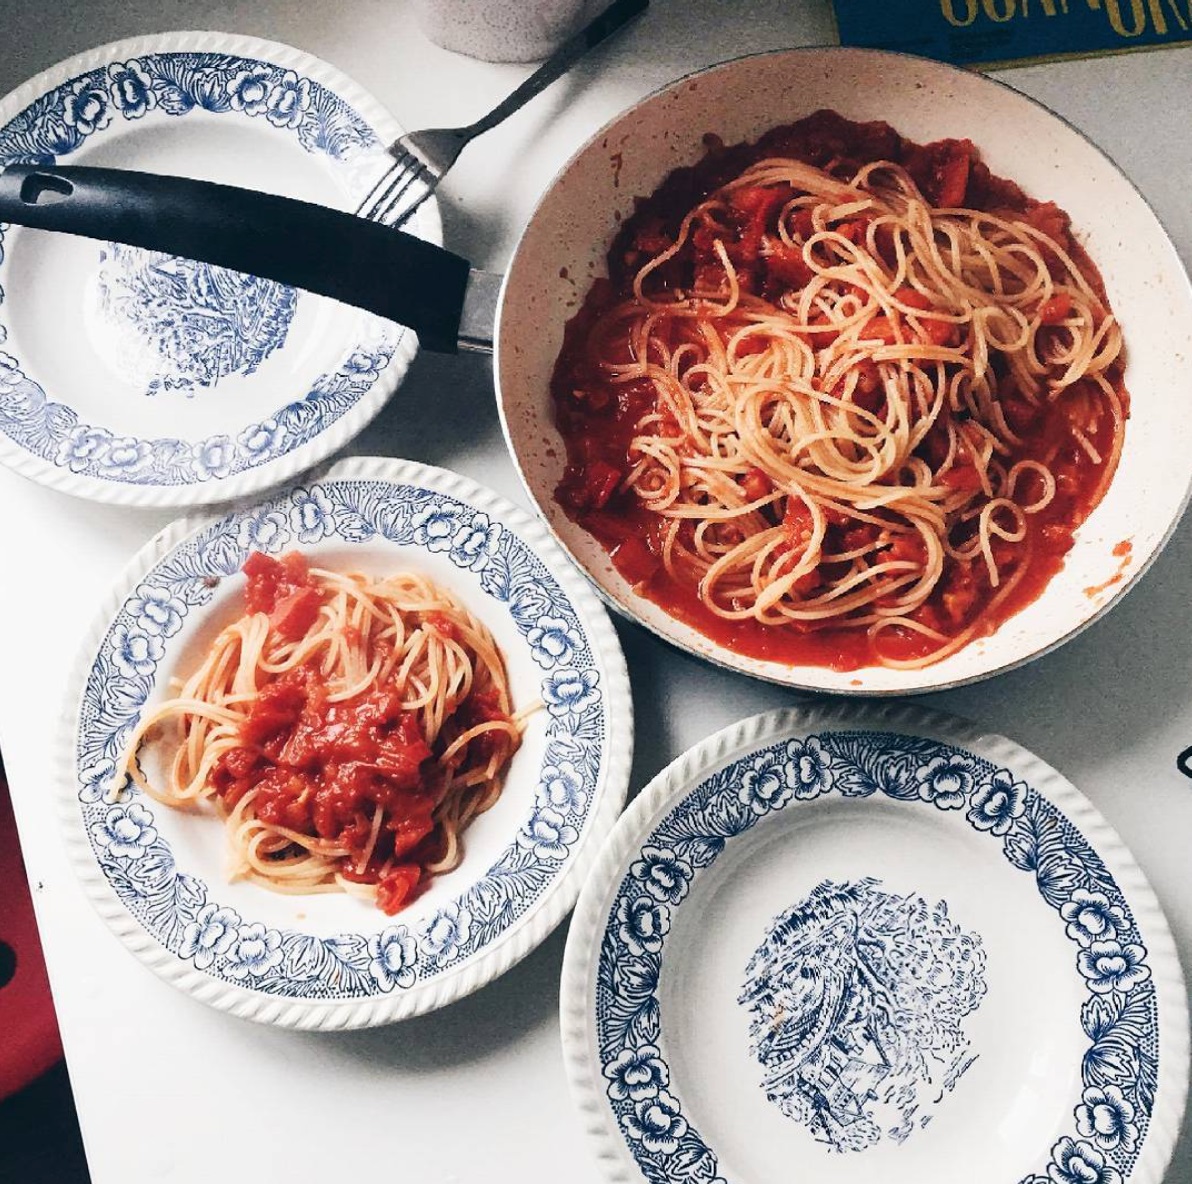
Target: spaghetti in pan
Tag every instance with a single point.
(843, 399)
(346, 729)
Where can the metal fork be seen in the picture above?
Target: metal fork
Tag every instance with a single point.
(421, 158)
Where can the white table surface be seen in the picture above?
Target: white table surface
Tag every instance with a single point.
(170, 1091)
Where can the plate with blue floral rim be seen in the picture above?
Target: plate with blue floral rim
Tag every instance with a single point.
(158, 876)
(854, 944)
(138, 378)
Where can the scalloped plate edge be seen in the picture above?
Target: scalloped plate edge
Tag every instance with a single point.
(283, 468)
(518, 941)
(685, 773)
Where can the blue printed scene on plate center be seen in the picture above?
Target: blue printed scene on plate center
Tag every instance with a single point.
(291, 366)
(860, 1004)
(173, 324)
(857, 1000)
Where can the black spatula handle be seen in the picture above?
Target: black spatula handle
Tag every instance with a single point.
(362, 263)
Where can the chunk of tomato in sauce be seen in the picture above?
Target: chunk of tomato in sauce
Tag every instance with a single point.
(1055, 310)
(868, 392)
(882, 328)
(600, 481)
(1050, 220)
(961, 476)
(786, 270)
(932, 329)
(756, 485)
(482, 707)
(760, 201)
(284, 798)
(278, 707)
(441, 624)
(941, 170)
(295, 612)
(756, 208)
(271, 580)
(859, 537)
(397, 887)
(959, 592)
(798, 523)
(802, 223)
(264, 574)
(635, 561)
(856, 230)
(907, 548)
(412, 819)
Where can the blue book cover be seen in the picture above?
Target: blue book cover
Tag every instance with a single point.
(988, 31)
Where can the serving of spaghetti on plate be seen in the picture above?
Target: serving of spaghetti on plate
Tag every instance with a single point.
(413, 774)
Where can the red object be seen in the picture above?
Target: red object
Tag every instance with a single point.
(941, 171)
(397, 887)
(323, 768)
(635, 561)
(1056, 309)
(598, 418)
(283, 589)
(30, 1043)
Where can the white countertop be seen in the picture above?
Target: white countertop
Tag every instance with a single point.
(170, 1091)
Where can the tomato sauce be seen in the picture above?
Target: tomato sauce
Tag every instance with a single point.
(322, 768)
(598, 419)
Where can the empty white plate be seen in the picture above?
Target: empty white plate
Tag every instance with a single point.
(850, 945)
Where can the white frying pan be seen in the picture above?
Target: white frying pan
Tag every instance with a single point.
(568, 237)
(565, 245)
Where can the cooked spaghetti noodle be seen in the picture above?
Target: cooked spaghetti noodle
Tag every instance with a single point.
(845, 389)
(346, 729)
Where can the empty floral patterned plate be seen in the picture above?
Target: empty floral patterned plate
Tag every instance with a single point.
(159, 876)
(850, 945)
(133, 377)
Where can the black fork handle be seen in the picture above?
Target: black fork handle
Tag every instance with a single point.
(362, 263)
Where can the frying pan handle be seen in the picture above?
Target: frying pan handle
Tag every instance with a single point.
(366, 264)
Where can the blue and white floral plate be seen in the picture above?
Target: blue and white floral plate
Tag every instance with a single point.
(849, 945)
(138, 378)
(158, 876)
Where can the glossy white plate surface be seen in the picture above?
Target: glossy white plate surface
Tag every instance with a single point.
(856, 944)
(133, 377)
(159, 876)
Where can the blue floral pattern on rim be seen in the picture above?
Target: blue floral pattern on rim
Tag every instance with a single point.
(1119, 1015)
(176, 908)
(176, 84)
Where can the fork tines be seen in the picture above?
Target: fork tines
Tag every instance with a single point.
(403, 188)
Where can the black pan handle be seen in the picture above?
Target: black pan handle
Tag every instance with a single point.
(374, 267)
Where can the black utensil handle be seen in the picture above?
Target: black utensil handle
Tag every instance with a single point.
(1183, 762)
(361, 263)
